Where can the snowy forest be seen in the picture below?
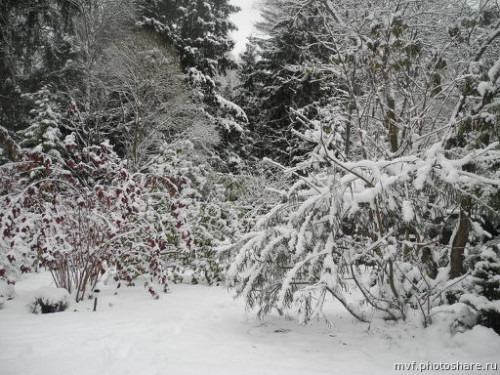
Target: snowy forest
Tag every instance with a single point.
(349, 157)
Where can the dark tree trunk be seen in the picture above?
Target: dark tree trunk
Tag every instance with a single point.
(460, 240)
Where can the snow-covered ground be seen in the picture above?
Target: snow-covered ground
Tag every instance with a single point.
(202, 330)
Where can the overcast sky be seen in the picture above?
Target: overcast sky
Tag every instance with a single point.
(244, 20)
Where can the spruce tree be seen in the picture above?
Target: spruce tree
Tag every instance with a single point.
(198, 31)
(37, 47)
(44, 131)
(287, 77)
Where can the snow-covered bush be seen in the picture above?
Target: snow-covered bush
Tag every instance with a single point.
(49, 300)
(366, 225)
(207, 204)
(86, 212)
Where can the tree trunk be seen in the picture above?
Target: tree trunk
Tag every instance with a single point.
(390, 123)
(460, 240)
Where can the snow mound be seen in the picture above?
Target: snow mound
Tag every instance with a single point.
(48, 300)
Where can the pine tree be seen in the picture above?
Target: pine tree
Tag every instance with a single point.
(198, 32)
(44, 133)
(287, 77)
(38, 47)
(245, 93)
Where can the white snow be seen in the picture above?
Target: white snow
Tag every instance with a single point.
(484, 87)
(233, 109)
(52, 296)
(494, 71)
(202, 330)
(408, 213)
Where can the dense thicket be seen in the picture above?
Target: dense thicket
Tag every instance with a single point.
(110, 162)
(362, 160)
(400, 184)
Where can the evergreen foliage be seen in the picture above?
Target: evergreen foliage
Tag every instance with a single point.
(285, 77)
(198, 32)
(44, 131)
(37, 48)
